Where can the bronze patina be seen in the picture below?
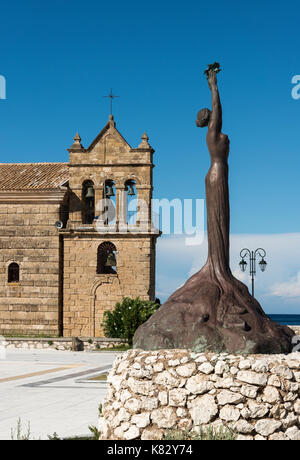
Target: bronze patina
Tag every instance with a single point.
(214, 311)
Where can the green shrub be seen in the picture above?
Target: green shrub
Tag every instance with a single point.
(127, 316)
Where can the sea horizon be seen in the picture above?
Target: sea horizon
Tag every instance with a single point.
(286, 319)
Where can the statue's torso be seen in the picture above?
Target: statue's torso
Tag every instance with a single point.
(218, 146)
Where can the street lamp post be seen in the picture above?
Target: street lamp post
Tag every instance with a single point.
(252, 256)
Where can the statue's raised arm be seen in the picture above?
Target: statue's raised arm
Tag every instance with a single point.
(206, 117)
(215, 122)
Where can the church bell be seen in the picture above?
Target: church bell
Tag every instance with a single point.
(131, 191)
(109, 191)
(111, 260)
(90, 193)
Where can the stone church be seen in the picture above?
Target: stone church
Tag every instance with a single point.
(76, 237)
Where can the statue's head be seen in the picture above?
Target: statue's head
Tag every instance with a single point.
(203, 118)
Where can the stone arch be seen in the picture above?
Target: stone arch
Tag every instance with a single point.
(88, 204)
(8, 263)
(13, 273)
(129, 177)
(104, 294)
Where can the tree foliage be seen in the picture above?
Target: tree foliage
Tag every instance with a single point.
(127, 316)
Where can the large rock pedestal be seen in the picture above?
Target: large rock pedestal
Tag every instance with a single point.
(213, 312)
(151, 393)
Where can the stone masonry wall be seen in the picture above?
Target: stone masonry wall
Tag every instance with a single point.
(152, 392)
(61, 344)
(87, 295)
(29, 238)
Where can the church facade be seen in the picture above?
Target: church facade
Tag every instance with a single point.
(76, 237)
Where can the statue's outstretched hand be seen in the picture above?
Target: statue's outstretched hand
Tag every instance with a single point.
(211, 78)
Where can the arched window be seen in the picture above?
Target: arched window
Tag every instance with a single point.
(131, 200)
(88, 202)
(13, 273)
(107, 259)
(110, 202)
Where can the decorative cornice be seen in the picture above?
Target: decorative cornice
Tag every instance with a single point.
(110, 165)
(54, 196)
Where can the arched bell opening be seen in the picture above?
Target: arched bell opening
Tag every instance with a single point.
(110, 202)
(132, 202)
(107, 259)
(88, 202)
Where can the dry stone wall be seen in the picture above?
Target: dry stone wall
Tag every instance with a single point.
(152, 392)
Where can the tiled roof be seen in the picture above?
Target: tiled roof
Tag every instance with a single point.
(28, 176)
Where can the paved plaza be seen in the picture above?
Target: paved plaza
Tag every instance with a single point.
(50, 390)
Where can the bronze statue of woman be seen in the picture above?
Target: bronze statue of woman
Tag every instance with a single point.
(214, 311)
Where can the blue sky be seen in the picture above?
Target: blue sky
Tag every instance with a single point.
(60, 57)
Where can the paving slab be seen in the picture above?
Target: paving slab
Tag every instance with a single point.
(49, 390)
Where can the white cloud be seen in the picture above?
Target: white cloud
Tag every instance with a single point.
(241, 276)
(289, 289)
(277, 289)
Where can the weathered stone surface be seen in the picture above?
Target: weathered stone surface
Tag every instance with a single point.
(249, 391)
(293, 433)
(282, 371)
(227, 397)
(186, 370)
(257, 410)
(252, 377)
(123, 415)
(206, 368)
(167, 380)
(198, 385)
(181, 412)
(177, 397)
(141, 420)
(140, 387)
(203, 410)
(278, 411)
(132, 433)
(225, 382)
(152, 434)
(229, 414)
(260, 366)
(124, 395)
(163, 398)
(289, 421)
(115, 380)
(158, 367)
(185, 424)
(297, 376)
(245, 364)
(266, 427)
(148, 404)
(104, 428)
(280, 436)
(243, 427)
(120, 430)
(164, 417)
(220, 367)
(141, 373)
(297, 407)
(233, 370)
(275, 381)
(271, 395)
